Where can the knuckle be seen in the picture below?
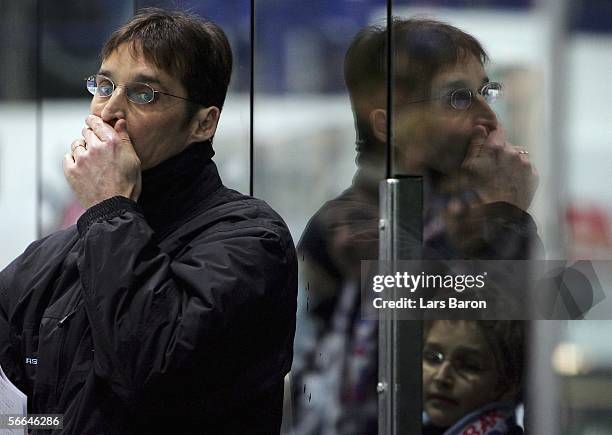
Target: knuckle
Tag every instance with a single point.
(113, 140)
(498, 147)
(95, 147)
(83, 158)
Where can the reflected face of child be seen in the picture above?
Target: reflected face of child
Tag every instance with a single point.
(459, 372)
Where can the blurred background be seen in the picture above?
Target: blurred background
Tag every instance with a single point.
(555, 58)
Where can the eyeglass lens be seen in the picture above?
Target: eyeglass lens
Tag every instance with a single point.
(462, 98)
(139, 93)
(463, 365)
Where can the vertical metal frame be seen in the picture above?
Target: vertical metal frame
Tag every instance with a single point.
(400, 341)
(39, 119)
(386, 400)
(252, 100)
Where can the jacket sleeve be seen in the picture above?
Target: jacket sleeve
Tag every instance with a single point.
(222, 307)
(508, 233)
(6, 350)
(11, 356)
(495, 231)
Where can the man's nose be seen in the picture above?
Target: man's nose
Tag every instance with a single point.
(484, 114)
(443, 373)
(114, 106)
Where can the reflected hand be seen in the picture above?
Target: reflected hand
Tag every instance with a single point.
(498, 170)
(103, 164)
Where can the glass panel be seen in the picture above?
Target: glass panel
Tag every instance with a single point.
(450, 129)
(304, 162)
(582, 357)
(306, 123)
(18, 128)
(547, 109)
(72, 36)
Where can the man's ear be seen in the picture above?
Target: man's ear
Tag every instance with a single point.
(378, 121)
(204, 124)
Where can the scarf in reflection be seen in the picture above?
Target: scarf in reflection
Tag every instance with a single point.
(493, 419)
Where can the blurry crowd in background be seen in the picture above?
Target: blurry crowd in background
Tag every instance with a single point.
(553, 57)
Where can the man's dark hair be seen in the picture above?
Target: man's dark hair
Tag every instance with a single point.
(194, 50)
(422, 48)
(507, 341)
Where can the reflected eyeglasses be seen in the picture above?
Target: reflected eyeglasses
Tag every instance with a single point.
(136, 92)
(463, 365)
(461, 99)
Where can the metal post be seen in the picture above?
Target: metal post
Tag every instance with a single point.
(400, 342)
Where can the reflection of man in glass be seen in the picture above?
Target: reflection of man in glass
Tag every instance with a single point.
(170, 307)
(477, 189)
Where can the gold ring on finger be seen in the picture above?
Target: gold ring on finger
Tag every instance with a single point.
(79, 145)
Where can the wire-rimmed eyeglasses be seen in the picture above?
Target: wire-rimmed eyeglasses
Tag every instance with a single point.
(465, 366)
(136, 92)
(461, 99)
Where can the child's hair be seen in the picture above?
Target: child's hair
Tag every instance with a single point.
(506, 338)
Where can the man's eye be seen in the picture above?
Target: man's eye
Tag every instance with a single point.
(141, 97)
(105, 89)
(431, 357)
(461, 99)
(140, 94)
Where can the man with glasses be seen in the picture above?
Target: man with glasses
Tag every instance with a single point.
(170, 306)
(477, 188)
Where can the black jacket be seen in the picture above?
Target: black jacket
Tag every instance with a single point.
(173, 315)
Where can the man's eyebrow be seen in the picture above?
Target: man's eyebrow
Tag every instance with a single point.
(144, 78)
(458, 84)
(455, 84)
(469, 350)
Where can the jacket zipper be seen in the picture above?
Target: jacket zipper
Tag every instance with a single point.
(61, 322)
(60, 325)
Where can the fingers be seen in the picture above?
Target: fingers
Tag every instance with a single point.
(517, 153)
(76, 144)
(77, 148)
(89, 136)
(68, 162)
(484, 143)
(102, 130)
(121, 129)
(496, 141)
(477, 143)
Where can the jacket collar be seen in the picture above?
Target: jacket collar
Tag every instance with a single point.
(175, 187)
